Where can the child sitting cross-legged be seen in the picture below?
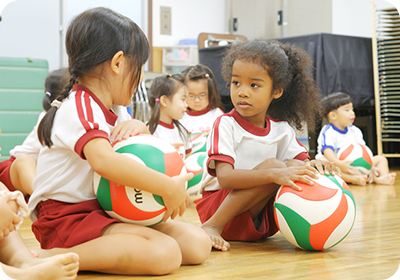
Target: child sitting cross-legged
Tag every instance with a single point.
(338, 109)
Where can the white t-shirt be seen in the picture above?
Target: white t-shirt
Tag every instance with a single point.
(200, 121)
(170, 133)
(31, 145)
(63, 173)
(333, 138)
(243, 145)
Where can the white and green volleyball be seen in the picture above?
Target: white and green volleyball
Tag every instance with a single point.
(133, 205)
(195, 164)
(318, 217)
(359, 155)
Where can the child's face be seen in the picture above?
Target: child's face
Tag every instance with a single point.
(197, 99)
(177, 105)
(252, 91)
(344, 116)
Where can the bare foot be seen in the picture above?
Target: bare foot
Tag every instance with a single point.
(387, 179)
(58, 267)
(217, 241)
(360, 180)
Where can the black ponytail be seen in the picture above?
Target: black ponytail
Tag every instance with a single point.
(46, 124)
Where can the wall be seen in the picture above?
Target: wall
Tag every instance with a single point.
(189, 19)
(132, 9)
(353, 17)
(31, 29)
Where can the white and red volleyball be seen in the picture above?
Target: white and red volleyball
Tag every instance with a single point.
(132, 205)
(318, 217)
(195, 164)
(359, 155)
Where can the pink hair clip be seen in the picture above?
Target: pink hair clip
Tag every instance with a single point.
(157, 99)
(206, 75)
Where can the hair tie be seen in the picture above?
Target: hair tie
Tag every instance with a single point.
(157, 99)
(48, 93)
(56, 103)
(206, 75)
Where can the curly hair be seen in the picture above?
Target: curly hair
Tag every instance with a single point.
(291, 69)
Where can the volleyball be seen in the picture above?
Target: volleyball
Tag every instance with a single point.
(195, 164)
(359, 155)
(199, 142)
(319, 216)
(132, 205)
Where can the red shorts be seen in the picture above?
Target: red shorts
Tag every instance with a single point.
(64, 225)
(5, 166)
(240, 228)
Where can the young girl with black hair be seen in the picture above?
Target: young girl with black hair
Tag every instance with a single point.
(167, 100)
(253, 149)
(106, 53)
(204, 103)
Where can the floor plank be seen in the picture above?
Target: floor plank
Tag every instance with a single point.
(370, 251)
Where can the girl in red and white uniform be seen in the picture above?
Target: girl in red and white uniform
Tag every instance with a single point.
(106, 53)
(253, 150)
(167, 100)
(204, 101)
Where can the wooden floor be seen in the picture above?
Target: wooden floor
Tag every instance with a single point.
(370, 251)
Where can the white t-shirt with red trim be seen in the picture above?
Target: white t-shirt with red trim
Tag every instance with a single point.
(62, 172)
(243, 145)
(200, 121)
(170, 133)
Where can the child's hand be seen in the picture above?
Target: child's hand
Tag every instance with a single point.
(126, 129)
(374, 173)
(176, 202)
(345, 167)
(325, 167)
(287, 176)
(8, 219)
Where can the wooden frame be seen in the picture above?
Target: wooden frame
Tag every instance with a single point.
(206, 40)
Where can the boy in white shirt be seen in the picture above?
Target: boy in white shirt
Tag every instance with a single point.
(338, 109)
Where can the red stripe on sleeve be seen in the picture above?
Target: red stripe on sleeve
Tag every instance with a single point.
(89, 119)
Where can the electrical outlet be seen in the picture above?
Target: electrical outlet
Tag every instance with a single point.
(165, 20)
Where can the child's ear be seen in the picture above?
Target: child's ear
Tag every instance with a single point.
(277, 93)
(164, 101)
(117, 62)
(331, 116)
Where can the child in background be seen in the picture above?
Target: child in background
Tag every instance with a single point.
(167, 101)
(17, 261)
(252, 149)
(19, 171)
(338, 109)
(204, 101)
(106, 53)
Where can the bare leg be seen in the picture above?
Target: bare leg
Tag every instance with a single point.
(194, 244)
(384, 178)
(127, 249)
(237, 202)
(22, 174)
(360, 180)
(18, 263)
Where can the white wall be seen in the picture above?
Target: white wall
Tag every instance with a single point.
(132, 9)
(189, 19)
(353, 17)
(31, 29)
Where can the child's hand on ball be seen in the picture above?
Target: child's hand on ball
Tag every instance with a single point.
(175, 202)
